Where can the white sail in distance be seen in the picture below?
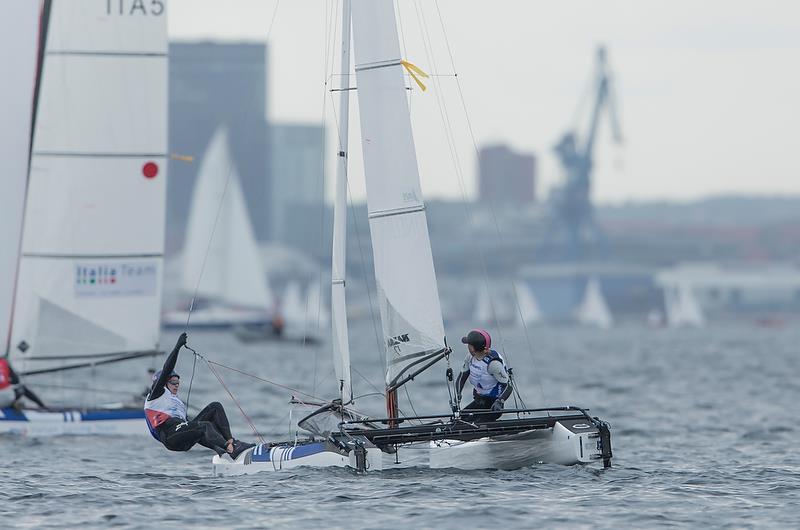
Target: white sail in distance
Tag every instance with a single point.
(411, 316)
(221, 251)
(93, 237)
(593, 310)
(682, 308)
(529, 311)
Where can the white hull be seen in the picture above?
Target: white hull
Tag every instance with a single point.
(215, 317)
(72, 422)
(577, 444)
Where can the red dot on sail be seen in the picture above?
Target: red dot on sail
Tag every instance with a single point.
(150, 170)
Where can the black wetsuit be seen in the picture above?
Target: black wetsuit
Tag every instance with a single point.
(20, 390)
(210, 428)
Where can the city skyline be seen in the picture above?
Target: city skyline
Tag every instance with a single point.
(706, 92)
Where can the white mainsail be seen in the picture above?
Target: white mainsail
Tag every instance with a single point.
(93, 234)
(593, 310)
(682, 308)
(233, 272)
(411, 314)
(18, 40)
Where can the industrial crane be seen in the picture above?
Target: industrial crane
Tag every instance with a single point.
(572, 219)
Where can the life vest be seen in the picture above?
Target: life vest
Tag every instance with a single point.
(5, 374)
(485, 383)
(162, 408)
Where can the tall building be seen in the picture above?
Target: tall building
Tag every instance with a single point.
(298, 184)
(505, 176)
(211, 85)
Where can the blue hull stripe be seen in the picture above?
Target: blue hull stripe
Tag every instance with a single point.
(286, 452)
(70, 416)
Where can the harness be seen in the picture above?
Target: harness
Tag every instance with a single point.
(484, 383)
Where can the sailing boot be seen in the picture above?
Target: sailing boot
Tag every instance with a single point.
(239, 448)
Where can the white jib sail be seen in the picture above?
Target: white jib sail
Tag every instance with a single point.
(18, 43)
(341, 342)
(93, 236)
(407, 292)
(233, 272)
(593, 310)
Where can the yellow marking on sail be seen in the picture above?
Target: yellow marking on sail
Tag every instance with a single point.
(182, 158)
(414, 71)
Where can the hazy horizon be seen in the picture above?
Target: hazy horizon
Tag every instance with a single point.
(706, 92)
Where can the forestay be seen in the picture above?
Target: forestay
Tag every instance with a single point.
(18, 39)
(409, 301)
(225, 260)
(93, 236)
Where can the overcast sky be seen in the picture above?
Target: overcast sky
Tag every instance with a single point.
(707, 91)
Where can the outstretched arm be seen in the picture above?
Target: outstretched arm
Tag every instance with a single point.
(169, 365)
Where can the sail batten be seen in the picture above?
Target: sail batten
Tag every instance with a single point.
(411, 315)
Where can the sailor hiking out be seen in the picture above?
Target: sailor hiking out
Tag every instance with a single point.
(486, 370)
(166, 415)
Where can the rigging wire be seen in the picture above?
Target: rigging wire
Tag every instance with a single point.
(246, 417)
(492, 209)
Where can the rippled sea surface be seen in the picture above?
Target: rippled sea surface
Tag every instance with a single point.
(704, 430)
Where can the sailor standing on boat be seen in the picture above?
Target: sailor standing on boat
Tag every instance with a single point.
(166, 415)
(487, 372)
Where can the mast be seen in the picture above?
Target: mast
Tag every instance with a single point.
(341, 345)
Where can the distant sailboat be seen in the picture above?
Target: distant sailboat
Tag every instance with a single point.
(232, 288)
(529, 312)
(681, 306)
(593, 310)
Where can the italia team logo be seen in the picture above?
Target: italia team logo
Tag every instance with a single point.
(103, 274)
(116, 279)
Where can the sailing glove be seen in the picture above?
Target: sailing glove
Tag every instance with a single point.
(182, 340)
(497, 405)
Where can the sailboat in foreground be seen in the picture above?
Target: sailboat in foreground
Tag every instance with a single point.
(413, 330)
(84, 292)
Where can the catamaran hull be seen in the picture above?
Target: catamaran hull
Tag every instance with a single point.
(215, 319)
(570, 443)
(72, 422)
(290, 456)
(265, 333)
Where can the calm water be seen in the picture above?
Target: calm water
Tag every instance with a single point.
(704, 428)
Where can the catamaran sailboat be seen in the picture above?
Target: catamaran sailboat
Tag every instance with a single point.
(84, 288)
(412, 326)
